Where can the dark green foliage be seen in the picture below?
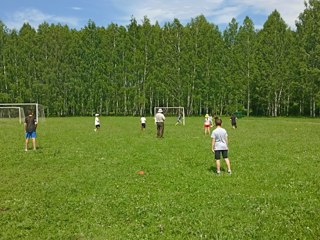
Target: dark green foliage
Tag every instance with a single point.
(128, 70)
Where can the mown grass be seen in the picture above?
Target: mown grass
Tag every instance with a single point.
(80, 184)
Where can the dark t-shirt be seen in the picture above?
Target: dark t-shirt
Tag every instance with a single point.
(31, 124)
(233, 120)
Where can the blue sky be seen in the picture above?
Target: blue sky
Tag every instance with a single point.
(76, 13)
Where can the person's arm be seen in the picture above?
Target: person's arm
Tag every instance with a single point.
(212, 144)
(25, 127)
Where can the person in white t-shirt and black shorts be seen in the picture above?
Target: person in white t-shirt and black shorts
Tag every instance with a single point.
(97, 122)
(143, 122)
(219, 145)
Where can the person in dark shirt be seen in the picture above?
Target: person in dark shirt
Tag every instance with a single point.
(179, 120)
(30, 126)
(233, 120)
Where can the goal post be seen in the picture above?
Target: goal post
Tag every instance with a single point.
(37, 108)
(12, 112)
(172, 111)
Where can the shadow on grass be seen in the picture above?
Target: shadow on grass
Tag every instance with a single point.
(213, 169)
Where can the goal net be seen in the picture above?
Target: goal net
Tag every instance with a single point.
(12, 113)
(176, 113)
(36, 108)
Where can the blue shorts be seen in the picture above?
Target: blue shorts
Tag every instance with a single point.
(31, 135)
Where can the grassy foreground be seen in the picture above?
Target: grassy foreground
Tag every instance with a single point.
(80, 184)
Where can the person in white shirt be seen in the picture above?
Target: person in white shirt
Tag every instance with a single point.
(97, 122)
(143, 121)
(207, 125)
(160, 118)
(219, 145)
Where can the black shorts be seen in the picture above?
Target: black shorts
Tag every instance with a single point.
(97, 126)
(143, 125)
(217, 154)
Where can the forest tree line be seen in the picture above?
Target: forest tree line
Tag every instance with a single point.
(128, 70)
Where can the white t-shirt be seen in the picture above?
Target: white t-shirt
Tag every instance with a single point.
(207, 122)
(159, 117)
(97, 121)
(143, 120)
(220, 135)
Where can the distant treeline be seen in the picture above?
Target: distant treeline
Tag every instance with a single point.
(128, 70)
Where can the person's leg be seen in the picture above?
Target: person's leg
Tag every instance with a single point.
(217, 154)
(225, 157)
(218, 166)
(162, 130)
(27, 141)
(158, 129)
(34, 143)
(228, 164)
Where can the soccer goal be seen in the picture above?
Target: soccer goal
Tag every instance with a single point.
(37, 109)
(177, 112)
(12, 112)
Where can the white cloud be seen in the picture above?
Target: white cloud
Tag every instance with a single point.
(167, 10)
(35, 17)
(77, 8)
(289, 10)
(225, 15)
(217, 11)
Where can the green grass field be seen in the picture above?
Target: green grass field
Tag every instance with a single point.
(82, 184)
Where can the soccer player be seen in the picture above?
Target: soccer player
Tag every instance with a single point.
(233, 120)
(219, 145)
(97, 122)
(160, 118)
(30, 126)
(143, 121)
(207, 125)
(178, 120)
